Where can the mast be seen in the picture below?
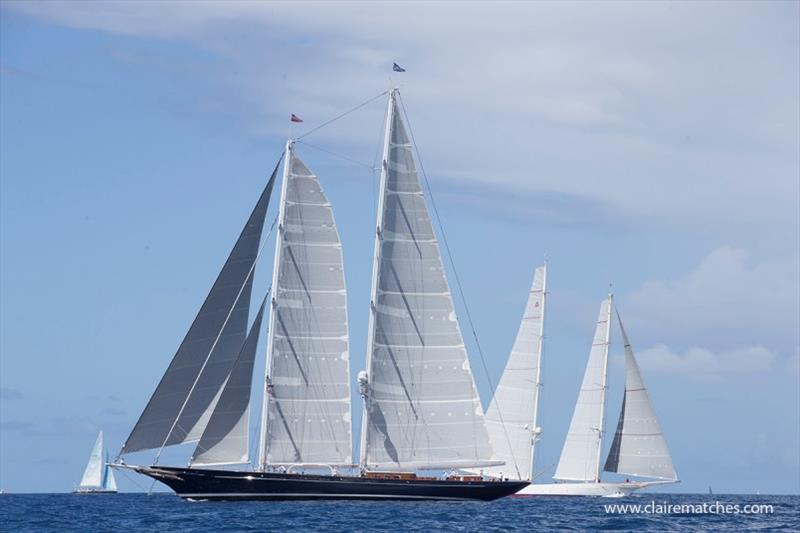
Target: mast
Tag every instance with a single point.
(604, 387)
(538, 383)
(262, 441)
(365, 384)
(306, 417)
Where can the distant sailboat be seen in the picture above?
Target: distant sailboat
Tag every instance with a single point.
(98, 478)
(638, 448)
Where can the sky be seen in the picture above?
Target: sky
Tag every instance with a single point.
(652, 146)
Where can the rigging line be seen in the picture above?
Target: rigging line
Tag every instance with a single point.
(341, 156)
(458, 280)
(337, 117)
(214, 345)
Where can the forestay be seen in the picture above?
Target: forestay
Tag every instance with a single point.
(422, 407)
(308, 381)
(226, 438)
(511, 416)
(639, 448)
(191, 385)
(580, 457)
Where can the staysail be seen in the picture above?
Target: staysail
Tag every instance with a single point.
(192, 383)
(226, 438)
(94, 473)
(307, 390)
(422, 409)
(638, 448)
(580, 457)
(511, 416)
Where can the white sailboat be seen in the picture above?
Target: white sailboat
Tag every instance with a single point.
(98, 477)
(638, 448)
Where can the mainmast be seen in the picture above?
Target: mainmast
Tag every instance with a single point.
(604, 386)
(538, 383)
(364, 378)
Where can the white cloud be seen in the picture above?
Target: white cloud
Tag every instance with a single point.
(703, 364)
(606, 102)
(728, 300)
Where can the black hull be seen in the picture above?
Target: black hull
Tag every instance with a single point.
(199, 484)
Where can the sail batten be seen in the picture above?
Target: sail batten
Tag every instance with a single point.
(421, 403)
(512, 414)
(180, 407)
(307, 401)
(639, 448)
(580, 457)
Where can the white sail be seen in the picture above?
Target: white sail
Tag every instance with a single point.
(93, 475)
(422, 409)
(226, 438)
(639, 448)
(512, 414)
(308, 380)
(580, 457)
(184, 399)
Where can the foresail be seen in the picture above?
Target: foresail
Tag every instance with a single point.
(93, 475)
(580, 457)
(192, 383)
(639, 448)
(511, 416)
(308, 390)
(422, 406)
(226, 438)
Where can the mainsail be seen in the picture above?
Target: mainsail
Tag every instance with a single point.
(422, 409)
(307, 392)
(639, 448)
(512, 414)
(226, 438)
(93, 475)
(180, 407)
(580, 457)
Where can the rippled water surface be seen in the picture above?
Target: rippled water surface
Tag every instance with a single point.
(166, 512)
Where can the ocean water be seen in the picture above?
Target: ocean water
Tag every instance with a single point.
(165, 513)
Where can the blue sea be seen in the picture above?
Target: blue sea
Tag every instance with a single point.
(165, 513)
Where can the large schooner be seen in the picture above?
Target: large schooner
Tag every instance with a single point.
(422, 411)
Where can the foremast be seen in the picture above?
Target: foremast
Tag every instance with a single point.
(262, 440)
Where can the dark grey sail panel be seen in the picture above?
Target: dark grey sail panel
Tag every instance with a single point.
(225, 439)
(195, 369)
